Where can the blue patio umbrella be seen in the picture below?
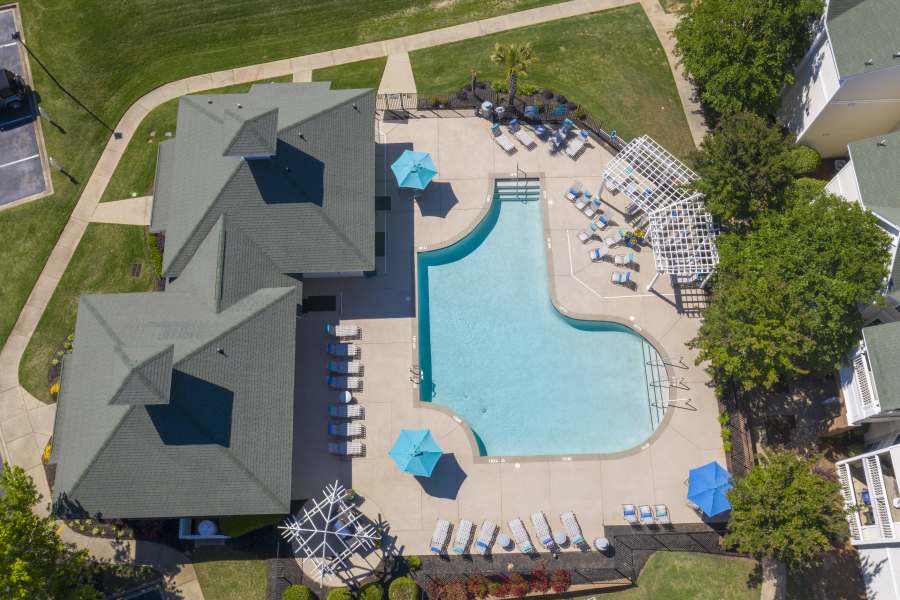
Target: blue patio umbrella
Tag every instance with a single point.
(416, 452)
(707, 486)
(414, 169)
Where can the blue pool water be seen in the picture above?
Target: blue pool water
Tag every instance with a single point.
(526, 379)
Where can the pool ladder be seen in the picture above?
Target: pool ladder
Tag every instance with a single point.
(415, 374)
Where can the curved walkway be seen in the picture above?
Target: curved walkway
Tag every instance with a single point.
(26, 423)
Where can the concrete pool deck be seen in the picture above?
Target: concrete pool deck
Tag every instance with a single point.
(466, 486)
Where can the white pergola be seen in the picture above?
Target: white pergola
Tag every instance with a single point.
(681, 232)
(329, 532)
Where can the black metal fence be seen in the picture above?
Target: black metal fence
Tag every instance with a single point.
(740, 456)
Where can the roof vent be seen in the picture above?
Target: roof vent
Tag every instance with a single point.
(882, 142)
(209, 101)
(869, 61)
(242, 106)
(897, 54)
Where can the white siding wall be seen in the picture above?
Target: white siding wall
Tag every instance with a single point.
(845, 183)
(881, 571)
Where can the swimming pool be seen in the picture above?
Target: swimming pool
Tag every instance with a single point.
(527, 379)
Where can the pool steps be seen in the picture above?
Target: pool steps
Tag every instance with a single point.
(517, 189)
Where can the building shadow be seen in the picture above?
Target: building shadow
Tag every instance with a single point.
(445, 480)
(194, 400)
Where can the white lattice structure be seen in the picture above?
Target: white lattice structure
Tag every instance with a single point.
(329, 532)
(681, 232)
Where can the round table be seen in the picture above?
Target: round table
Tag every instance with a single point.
(345, 397)
(206, 527)
(503, 541)
(601, 544)
(560, 538)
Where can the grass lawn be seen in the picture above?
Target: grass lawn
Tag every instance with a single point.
(226, 574)
(102, 263)
(108, 54)
(609, 62)
(690, 576)
(361, 74)
(137, 167)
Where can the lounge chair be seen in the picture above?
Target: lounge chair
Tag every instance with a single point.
(621, 277)
(586, 235)
(662, 514)
(577, 146)
(598, 254)
(343, 349)
(582, 202)
(593, 208)
(345, 411)
(351, 367)
(625, 259)
(542, 529)
(645, 515)
(574, 191)
(541, 131)
(341, 331)
(524, 138)
(520, 535)
(486, 536)
(572, 528)
(629, 514)
(617, 238)
(346, 429)
(339, 382)
(440, 535)
(505, 143)
(347, 448)
(463, 537)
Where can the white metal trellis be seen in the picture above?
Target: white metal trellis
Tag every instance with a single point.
(329, 532)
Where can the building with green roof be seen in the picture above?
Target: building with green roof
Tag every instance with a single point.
(848, 85)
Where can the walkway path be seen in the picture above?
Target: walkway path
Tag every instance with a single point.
(25, 422)
(398, 75)
(130, 211)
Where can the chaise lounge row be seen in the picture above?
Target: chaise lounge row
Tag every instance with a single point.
(489, 533)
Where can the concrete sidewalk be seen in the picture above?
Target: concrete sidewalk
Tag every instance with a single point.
(398, 75)
(131, 211)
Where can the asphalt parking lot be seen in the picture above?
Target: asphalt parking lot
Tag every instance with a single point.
(22, 166)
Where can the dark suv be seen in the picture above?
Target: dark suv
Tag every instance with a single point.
(12, 90)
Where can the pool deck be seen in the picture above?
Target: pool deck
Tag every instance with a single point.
(466, 486)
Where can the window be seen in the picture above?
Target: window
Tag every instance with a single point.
(379, 243)
(382, 203)
(319, 304)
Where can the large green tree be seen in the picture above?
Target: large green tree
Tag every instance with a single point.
(745, 165)
(741, 53)
(35, 564)
(515, 59)
(784, 510)
(785, 296)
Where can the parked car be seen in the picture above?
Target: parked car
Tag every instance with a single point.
(12, 90)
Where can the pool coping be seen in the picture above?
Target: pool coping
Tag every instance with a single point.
(551, 273)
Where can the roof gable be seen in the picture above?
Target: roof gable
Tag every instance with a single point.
(250, 131)
(876, 163)
(861, 31)
(882, 343)
(149, 376)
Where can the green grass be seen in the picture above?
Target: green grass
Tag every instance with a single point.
(673, 6)
(610, 62)
(102, 263)
(108, 54)
(226, 574)
(360, 74)
(691, 576)
(137, 167)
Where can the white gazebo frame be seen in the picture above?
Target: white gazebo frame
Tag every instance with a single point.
(317, 537)
(681, 232)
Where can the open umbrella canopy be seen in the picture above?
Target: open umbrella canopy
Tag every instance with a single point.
(707, 486)
(416, 452)
(414, 169)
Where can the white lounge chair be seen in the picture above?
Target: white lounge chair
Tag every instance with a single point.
(440, 535)
(645, 515)
(351, 367)
(621, 277)
(662, 514)
(582, 202)
(625, 259)
(598, 254)
(520, 535)
(345, 411)
(592, 208)
(346, 429)
(629, 514)
(572, 528)
(542, 529)
(486, 536)
(617, 238)
(339, 382)
(525, 138)
(344, 350)
(575, 147)
(463, 537)
(340, 331)
(347, 448)
(505, 143)
(574, 191)
(590, 231)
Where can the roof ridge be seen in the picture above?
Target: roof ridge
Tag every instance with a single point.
(363, 92)
(350, 244)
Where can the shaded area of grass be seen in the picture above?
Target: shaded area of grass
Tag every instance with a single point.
(108, 54)
(227, 574)
(137, 167)
(360, 74)
(837, 578)
(102, 263)
(609, 62)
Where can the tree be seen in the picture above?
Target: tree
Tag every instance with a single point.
(785, 296)
(35, 564)
(745, 165)
(784, 510)
(298, 592)
(515, 58)
(741, 54)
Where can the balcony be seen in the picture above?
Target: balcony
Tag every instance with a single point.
(872, 496)
(857, 388)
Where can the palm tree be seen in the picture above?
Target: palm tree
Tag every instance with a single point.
(515, 58)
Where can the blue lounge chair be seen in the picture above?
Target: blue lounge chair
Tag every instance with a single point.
(598, 254)
(629, 514)
(621, 277)
(646, 515)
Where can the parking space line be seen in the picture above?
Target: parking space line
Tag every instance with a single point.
(15, 162)
(7, 45)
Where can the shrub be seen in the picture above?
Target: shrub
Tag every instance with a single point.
(562, 99)
(477, 586)
(413, 563)
(54, 389)
(804, 160)
(298, 592)
(371, 591)
(540, 580)
(455, 590)
(403, 588)
(547, 94)
(518, 585)
(561, 581)
(499, 588)
(340, 593)
(499, 86)
(49, 447)
(524, 88)
(155, 254)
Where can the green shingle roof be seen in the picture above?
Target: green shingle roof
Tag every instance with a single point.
(877, 168)
(882, 345)
(862, 30)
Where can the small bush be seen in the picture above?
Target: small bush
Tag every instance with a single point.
(562, 99)
(341, 593)
(547, 94)
(561, 581)
(499, 86)
(455, 590)
(49, 447)
(413, 563)
(477, 586)
(805, 160)
(518, 585)
(526, 89)
(540, 580)
(500, 588)
(403, 588)
(371, 591)
(298, 592)
(155, 254)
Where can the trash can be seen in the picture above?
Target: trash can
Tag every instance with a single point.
(487, 110)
